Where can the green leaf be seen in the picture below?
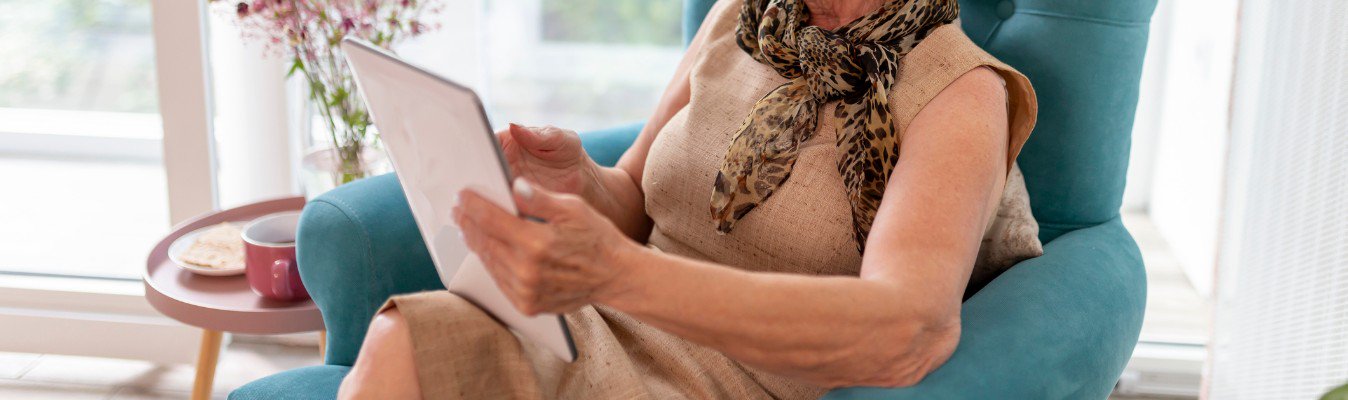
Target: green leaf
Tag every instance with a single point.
(1341, 393)
(338, 97)
(317, 90)
(295, 65)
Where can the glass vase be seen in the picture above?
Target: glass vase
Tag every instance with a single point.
(324, 169)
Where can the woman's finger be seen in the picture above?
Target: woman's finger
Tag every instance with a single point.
(524, 296)
(499, 270)
(539, 141)
(500, 262)
(535, 201)
(468, 231)
(491, 219)
(516, 275)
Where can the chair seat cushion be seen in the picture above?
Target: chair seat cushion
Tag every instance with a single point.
(317, 382)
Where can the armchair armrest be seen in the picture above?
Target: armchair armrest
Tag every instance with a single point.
(358, 245)
(1060, 326)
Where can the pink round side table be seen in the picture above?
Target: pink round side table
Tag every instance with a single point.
(223, 303)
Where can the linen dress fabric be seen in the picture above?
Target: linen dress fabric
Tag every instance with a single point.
(805, 228)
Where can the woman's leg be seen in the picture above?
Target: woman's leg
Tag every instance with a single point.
(384, 369)
(474, 356)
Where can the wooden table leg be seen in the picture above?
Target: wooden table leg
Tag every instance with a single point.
(323, 343)
(206, 361)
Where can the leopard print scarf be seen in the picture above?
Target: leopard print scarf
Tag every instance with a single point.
(856, 65)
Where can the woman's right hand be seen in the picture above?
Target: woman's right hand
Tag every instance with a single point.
(550, 157)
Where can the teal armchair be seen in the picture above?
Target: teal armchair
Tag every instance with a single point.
(1058, 326)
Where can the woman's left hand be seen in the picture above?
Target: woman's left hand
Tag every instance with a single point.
(557, 265)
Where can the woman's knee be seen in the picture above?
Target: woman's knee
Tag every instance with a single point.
(388, 342)
(385, 365)
(389, 325)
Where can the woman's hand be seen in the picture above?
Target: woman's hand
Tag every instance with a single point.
(558, 265)
(550, 156)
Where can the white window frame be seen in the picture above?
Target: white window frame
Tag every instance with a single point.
(122, 136)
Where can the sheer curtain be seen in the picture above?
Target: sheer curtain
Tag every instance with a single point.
(1282, 289)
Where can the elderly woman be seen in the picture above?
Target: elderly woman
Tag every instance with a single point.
(822, 182)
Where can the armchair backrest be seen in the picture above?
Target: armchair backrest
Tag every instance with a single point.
(1084, 59)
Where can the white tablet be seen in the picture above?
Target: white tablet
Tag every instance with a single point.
(437, 135)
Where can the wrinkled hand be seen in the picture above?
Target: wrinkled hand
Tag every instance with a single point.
(549, 156)
(554, 266)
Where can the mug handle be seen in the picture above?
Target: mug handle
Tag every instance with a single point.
(280, 279)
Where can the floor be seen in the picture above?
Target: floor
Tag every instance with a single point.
(45, 376)
(1174, 313)
(40, 377)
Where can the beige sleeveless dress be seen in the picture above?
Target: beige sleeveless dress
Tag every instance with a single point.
(805, 227)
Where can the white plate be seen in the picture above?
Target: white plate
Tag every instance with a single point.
(181, 245)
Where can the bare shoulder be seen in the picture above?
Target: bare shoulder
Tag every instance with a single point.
(983, 80)
(973, 103)
(980, 89)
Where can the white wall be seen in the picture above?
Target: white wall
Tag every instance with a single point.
(252, 133)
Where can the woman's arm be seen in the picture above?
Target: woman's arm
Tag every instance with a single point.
(900, 319)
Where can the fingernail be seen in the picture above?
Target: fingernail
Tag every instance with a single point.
(523, 188)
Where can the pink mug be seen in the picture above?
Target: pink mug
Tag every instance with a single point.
(269, 257)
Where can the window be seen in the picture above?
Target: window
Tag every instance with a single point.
(84, 150)
(651, 22)
(84, 55)
(576, 64)
(79, 138)
(1282, 284)
(1173, 199)
(86, 192)
(580, 65)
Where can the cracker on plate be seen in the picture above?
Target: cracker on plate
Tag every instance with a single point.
(220, 246)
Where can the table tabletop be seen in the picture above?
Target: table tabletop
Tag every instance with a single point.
(224, 303)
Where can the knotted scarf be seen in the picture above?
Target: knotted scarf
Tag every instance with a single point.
(855, 65)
